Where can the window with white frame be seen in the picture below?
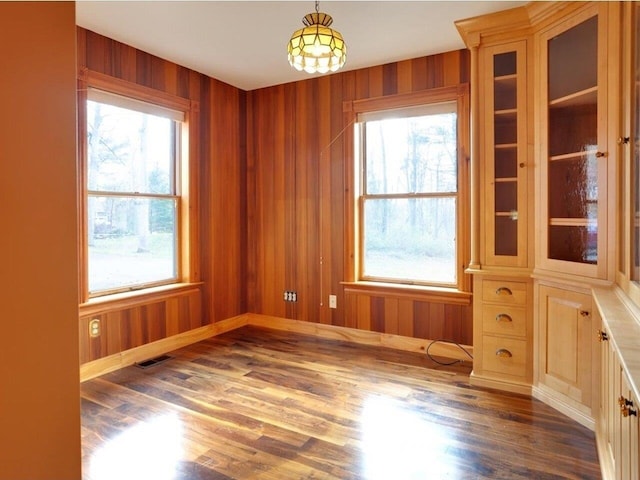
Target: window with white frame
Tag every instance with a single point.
(132, 209)
(408, 202)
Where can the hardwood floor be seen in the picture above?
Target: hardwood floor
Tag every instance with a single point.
(261, 404)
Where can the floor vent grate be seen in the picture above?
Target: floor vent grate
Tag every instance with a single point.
(153, 361)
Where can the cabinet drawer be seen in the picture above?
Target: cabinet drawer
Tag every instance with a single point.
(504, 320)
(506, 356)
(511, 293)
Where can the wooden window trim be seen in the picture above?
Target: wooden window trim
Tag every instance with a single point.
(351, 109)
(188, 241)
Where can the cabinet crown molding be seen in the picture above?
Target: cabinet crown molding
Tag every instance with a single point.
(522, 20)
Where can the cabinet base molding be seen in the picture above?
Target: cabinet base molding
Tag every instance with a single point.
(607, 468)
(500, 384)
(551, 398)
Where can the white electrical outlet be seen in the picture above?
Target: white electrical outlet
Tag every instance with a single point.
(333, 301)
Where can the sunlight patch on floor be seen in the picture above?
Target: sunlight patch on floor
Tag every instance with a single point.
(399, 443)
(151, 449)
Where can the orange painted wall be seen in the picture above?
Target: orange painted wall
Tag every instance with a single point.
(39, 378)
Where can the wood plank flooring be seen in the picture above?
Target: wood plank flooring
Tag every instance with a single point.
(262, 404)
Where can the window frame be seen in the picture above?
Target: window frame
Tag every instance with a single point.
(354, 176)
(185, 185)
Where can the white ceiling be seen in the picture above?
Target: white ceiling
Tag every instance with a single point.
(244, 43)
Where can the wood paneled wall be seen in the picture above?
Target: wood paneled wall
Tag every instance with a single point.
(138, 323)
(220, 177)
(272, 193)
(296, 193)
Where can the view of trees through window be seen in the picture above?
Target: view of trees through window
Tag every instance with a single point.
(132, 202)
(410, 198)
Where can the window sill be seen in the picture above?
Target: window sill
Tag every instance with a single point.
(104, 303)
(416, 292)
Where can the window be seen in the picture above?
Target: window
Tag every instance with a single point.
(133, 164)
(409, 199)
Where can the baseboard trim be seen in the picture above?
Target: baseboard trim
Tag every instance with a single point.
(108, 364)
(513, 387)
(550, 397)
(363, 337)
(123, 359)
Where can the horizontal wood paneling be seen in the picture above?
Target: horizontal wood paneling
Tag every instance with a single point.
(219, 180)
(296, 194)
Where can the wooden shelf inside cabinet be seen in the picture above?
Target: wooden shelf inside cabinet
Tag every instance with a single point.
(587, 96)
(581, 155)
(573, 222)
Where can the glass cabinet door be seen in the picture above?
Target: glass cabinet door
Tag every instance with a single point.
(505, 152)
(576, 165)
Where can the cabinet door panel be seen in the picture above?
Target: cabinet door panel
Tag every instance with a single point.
(565, 342)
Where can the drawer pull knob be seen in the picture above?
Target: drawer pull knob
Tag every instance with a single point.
(602, 336)
(503, 291)
(584, 313)
(601, 154)
(503, 353)
(503, 317)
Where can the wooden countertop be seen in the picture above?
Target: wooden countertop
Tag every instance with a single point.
(621, 321)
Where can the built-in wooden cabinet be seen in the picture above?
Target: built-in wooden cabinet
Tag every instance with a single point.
(544, 167)
(581, 123)
(502, 171)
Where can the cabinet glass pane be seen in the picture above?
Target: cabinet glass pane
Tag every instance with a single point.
(505, 126)
(506, 196)
(573, 243)
(575, 192)
(506, 242)
(572, 65)
(573, 143)
(504, 64)
(505, 129)
(574, 128)
(506, 162)
(504, 93)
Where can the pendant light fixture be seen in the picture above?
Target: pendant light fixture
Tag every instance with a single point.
(316, 47)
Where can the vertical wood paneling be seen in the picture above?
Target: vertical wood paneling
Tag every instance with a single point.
(220, 181)
(111, 328)
(377, 314)
(133, 326)
(405, 77)
(363, 312)
(295, 154)
(405, 317)
(173, 316)
(391, 316)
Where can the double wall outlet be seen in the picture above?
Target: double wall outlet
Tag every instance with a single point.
(290, 296)
(333, 301)
(94, 328)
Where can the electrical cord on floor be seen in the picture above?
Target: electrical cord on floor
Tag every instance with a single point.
(447, 363)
